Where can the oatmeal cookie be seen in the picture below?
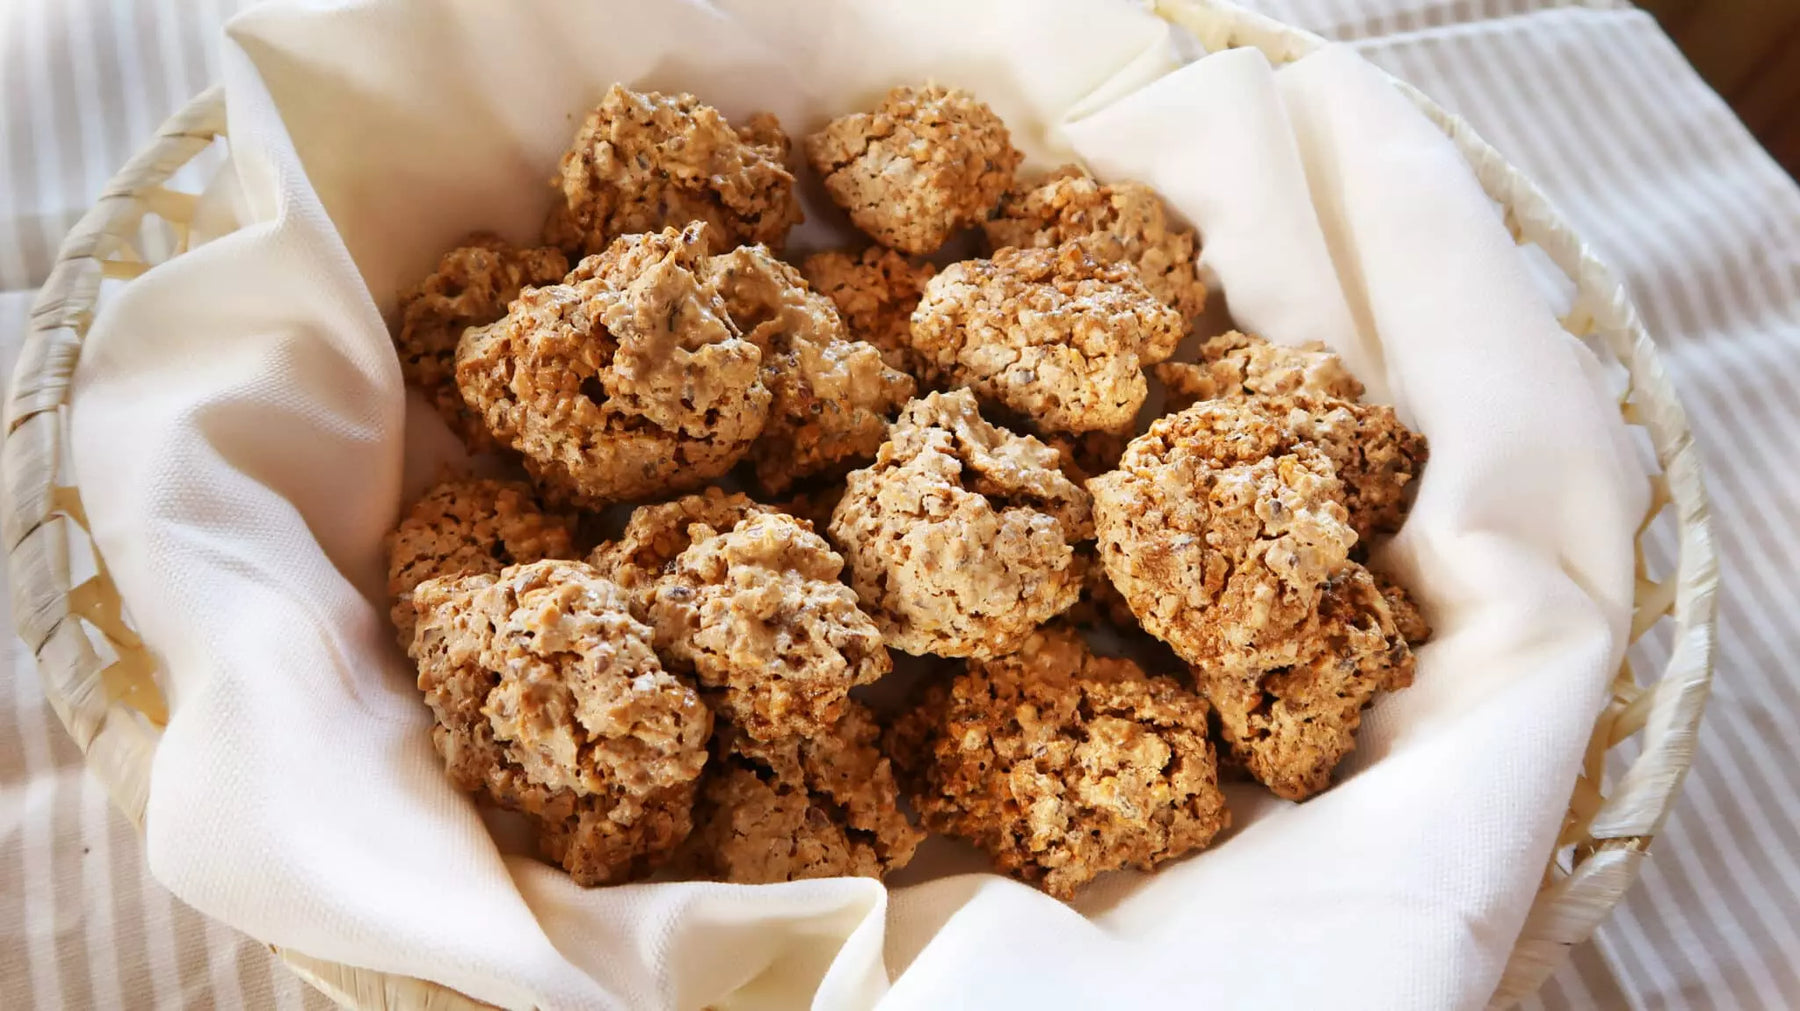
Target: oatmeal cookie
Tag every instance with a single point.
(628, 380)
(822, 805)
(831, 396)
(1053, 334)
(1115, 221)
(928, 162)
(1063, 765)
(875, 293)
(645, 161)
(1237, 364)
(960, 536)
(656, 535)
(550, 700)
(472, 286)
(1291, 725)
(469, 527)
(757, 611)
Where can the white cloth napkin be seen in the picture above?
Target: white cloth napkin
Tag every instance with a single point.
(241, 440)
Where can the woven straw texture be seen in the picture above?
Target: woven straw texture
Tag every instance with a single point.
(100, 678)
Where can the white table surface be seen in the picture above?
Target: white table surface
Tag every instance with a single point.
(1590, 98)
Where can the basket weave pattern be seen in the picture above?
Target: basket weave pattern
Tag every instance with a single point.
(100, 680)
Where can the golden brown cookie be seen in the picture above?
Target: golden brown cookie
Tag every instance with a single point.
(472, 286)
(550, 700)
(645, 161)
(875, 292)
(1063, 765)
(832, 396)
(960, 536)
(1116, 222)
(469, 527)
(822, 805)
(656, 535)
(627, 381)
(1053, 334)
(927, 163)
(1236, 364)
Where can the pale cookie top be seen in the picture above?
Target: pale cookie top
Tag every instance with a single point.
(645, 161)
(875, 292)
(1115, 221)
(1053, 334)
(1219, 534)
(1290, 726)
(471, 287)
(832, 395)
(757, 611)
(959, 537)
(1238, 364)
(822, 805)
(927, 163)
(550, 700)
(468, 527)
(627, 381)
(657, 534)
(1063, 765)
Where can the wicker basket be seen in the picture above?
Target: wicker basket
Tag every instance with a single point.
(100, 679)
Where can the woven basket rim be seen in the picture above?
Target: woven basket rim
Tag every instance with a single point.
(115, 719)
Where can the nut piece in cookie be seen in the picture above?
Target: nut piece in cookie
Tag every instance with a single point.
(472, 286)
(875, 292)
(1053, 334)
(1115, 221)
(1063, 765)
(1290, 726)
(832, 396)
(960, 536)
(469, 527)
(1237, 364)
(757, 611)
(549, 700)
(927, 163)
(645, 161)
(626, 381)
(822, 805)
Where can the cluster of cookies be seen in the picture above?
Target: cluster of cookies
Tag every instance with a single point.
(944, 465)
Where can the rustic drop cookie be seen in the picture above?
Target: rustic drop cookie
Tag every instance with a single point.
(1115, 222)
(1063, 765)
(1053, 334)
(472, 286)
(756, 611)
(822, 805)
(627, 381)
(1237, 364)
(832, 396)
(468, 527)
(550, 700)
(656, 535)
(875, 292)
(645, 161)
(927, 163)
(960, 537)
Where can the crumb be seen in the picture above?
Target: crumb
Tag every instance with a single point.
(472, 286)
(875, 293)
(1237, 364)
(469, 527)
(1291, 725)
(1063, 765)
(656, 535)
(645, 161)
(959, 536)
(1116, 222)
(626, 381)
(1049, 333)
(802, 807)
(550, 700)
(757, 611)
(831, 396)
(928, 162)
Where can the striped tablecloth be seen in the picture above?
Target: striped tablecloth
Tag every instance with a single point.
(1589, 98)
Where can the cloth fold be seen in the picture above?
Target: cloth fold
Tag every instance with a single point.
(241, 438)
